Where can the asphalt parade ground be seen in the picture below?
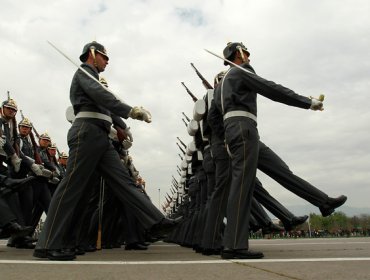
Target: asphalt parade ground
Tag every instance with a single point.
(316, 258)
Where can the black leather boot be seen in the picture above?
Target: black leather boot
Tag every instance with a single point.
(164, 227)
(15, 230)
(329, 207)
(240, 254)
(295, 221)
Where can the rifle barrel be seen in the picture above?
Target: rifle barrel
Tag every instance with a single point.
(189, 92)
(186, 117)
(182, 143)
(186, 124)
(205, 83)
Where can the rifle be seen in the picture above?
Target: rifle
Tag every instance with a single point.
(175, 186)
(121, 134)
(36, 154)
(173, 189)
(177, 183)
(189, 92)
(178, 172)
(15, 133)
(186, 124)
(180, 148)
(100, 215)
(38, 136)
(204, 81)
(186, 117)
(181, 157)
(182, 143)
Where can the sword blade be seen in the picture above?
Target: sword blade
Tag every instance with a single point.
(230, 62)
(83, 70)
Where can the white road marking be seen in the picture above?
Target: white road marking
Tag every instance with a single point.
(309, 243)
(262, 243)
(182, 262)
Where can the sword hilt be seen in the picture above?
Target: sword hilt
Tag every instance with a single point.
(321, 97)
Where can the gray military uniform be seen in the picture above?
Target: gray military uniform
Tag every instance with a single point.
(91, 151)
(238, 92)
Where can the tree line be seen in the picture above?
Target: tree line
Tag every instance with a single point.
(336, 225)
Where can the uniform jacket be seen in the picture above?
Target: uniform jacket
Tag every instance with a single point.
(89, 95)
(239, 90)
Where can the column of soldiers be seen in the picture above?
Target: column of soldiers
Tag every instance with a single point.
(228, 150)
(214, 205)
(30, 175)
(28, 178)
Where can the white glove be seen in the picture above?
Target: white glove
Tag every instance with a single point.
(16, 162)
(56, 173)
(139, 113)
(126, 144)
(46, 172)
(316, 105)
(40, 170)
(129, 134)
(113, 134)
(36, 168)
(54, 180)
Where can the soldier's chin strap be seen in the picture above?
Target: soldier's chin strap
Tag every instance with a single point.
(241, 53)
(92, 49)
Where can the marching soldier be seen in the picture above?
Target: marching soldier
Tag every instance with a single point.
(8, 111)
(62, 163)
(90, 149)
(235, 98)
(35, 199)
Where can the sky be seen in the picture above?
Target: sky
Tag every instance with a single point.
(312, 47)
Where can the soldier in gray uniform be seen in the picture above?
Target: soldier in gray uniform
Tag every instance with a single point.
(212, 241)
(90, 150)
(236, 98)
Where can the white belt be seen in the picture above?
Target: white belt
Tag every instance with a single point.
(240, 114)
(207, 146)
(94, 115)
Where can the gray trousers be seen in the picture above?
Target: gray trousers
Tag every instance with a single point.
(90, 151)
(242, 139)
(273, 166)
(6, 215)
(271, 204)
(212, 238)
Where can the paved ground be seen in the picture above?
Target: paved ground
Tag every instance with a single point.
(337, 258)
